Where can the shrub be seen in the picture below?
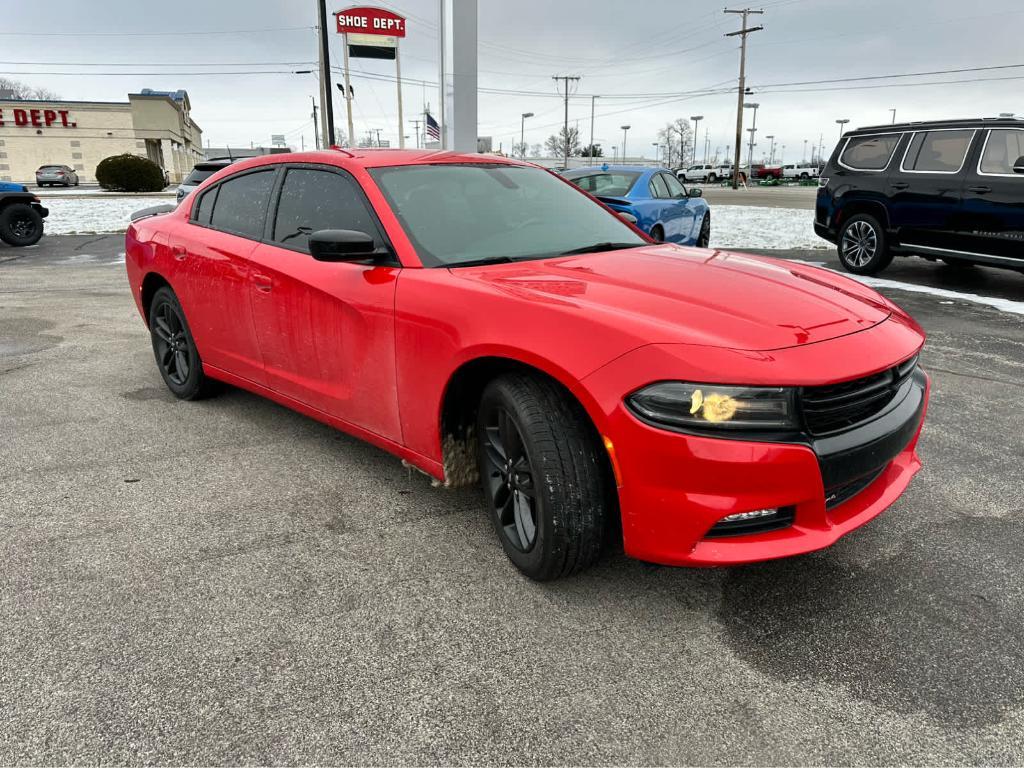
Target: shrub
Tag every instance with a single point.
(129, 173)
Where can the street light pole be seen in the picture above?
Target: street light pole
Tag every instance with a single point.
(624, 129)
(591, 158)
(753, 130)
(771, 151)
(522, 133)
(841, 122)
(696, 126)
(656, 146)
(893, 116)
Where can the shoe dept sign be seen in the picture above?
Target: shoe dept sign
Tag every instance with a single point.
(370, 21)
(37, 118)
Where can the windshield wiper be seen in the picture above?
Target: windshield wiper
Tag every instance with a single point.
(598, 247)
(479, 262)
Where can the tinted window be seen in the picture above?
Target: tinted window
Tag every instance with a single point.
(241, 205)
(657, 186)
(457, 213)
(200, 174)
(610, 183)
(205, 206)
(312, 200)
(1001, 150)
(937, 151)
(869, 153)
(675, 189)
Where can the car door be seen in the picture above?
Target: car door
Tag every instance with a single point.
(212, 253)
(993, 198)
(682, 210)
(326, 329)
(664, 209)
(926, 187)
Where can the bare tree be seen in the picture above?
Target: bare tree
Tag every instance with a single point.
(519, 150)
(536, 150)
(13, 89)
(677, 139)
(556, 143)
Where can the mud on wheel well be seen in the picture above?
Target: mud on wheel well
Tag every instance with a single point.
(150, 285)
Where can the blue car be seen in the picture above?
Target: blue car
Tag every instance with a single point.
(658, 202)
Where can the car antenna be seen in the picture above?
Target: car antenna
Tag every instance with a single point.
(340, 149)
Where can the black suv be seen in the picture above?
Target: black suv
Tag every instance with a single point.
(949, 189)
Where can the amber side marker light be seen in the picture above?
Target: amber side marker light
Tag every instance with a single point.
(608, 446)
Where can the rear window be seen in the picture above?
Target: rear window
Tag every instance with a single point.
(608, 183)
(200, 174)
(241, 204)
(869, 153)
(937, 151)
(52, 168)
(1002, 148)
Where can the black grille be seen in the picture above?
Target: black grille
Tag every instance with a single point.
(838, 494)
(841, 406)
(783, 519)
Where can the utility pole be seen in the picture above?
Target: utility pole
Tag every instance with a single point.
(327, 113)
(625, 128)
(591, 158)
(316, 130)
(378, 137)
(565, 125)
(417, 124)
(742, 32)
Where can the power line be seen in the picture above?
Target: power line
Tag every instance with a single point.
(81, 34)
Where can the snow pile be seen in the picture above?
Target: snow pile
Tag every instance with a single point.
(748, 226)
(91, 215)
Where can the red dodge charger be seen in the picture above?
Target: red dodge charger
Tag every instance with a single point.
(487, 321)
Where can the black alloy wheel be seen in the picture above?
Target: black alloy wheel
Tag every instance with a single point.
(175, 350)
(20, 225)
(509, 480)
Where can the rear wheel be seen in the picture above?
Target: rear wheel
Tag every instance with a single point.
(804, 176)
(658, 233)
(712, 178)
(862, 246)
(20, 225)
(544, 476)
(175, 350)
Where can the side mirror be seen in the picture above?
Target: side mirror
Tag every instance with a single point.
(627, 216)
(1018, 165)
(695, 192)
(340, 245)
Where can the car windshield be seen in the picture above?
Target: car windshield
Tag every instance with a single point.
(607, 183)
(458, 214)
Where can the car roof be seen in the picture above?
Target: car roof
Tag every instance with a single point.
(605, 167)
(974, 122)
(375, 158)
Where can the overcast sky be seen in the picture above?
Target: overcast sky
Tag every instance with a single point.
(618, 49)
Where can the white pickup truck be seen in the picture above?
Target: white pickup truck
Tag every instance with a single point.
(705, 172)
(800, 171)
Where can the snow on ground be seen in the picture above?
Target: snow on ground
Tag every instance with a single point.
(91, 215)
(748, 226)
(56, 192)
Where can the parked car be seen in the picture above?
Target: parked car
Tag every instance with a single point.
(948, 189)
(56, 175)
(484, 319)
(200, 173)
(21, 215)
(765, 171)
(699, 172)
(653, 198)
(800, 171)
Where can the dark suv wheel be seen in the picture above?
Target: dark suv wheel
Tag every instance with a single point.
(862, 246)
(20, 224)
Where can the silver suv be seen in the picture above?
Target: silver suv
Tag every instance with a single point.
(200, 173)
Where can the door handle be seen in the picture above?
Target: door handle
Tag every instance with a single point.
(899, 185)
(262, 282)
(981, 190)
(179, 252)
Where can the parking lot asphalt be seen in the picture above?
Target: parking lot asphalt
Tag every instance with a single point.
(228, 581)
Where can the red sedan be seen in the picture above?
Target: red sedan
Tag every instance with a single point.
(487, 321)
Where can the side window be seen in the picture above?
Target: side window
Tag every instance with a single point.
(241, 204)
(937, 151)
(657, 186)
(1002, 148)
(204, 207)
(675, 189)
(869, 153)
(312, 200)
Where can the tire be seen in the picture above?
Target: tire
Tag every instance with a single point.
(67, 182)
(705, 231)
(712, 178)
(804, 176)
(175, 351)
(862, 245)
(658, 233)
(20, 225)
(529, 427)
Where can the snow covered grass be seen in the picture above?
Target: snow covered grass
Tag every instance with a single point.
(92, 215)
(749, 226)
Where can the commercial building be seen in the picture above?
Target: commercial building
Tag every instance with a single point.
(154, 124)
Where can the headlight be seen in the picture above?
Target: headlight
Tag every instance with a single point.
(713, 407)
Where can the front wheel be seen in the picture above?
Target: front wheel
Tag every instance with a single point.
(862, 247)
(544, 475)
(704, 238)
(657, 233)
(20, 225)
(175, 350)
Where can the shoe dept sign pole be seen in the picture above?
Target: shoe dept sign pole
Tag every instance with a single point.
(371, 33)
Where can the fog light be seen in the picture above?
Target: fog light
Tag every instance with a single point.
(754, 515)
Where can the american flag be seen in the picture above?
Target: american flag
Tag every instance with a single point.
(433, 129)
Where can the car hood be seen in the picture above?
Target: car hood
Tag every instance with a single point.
(670, 294)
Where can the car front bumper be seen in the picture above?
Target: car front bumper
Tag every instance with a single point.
(676, 487)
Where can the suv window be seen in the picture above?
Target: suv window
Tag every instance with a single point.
(937, 151)
(241, 204)
(675, 189)
(657, 186)
(869, 153)
(312, 200)
(1002, 148)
